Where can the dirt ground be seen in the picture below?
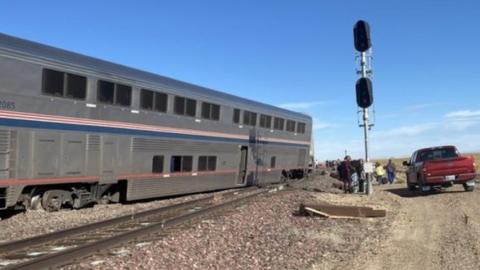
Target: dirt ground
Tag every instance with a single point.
(437, 231)
(440, 230)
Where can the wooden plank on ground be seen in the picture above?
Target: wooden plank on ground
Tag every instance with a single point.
(330, 211)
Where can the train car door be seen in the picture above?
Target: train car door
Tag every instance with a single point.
(242, 169)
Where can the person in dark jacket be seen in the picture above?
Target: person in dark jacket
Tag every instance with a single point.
(391, 171)
(345, 171)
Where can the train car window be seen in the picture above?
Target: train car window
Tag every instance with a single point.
(202, 163)
(210, 111)
(300, 127)
(185, 106)
(105, 91)
(273, 161)
(187, 163)
(179, 105)
(191, 108)
(207, 163)
(265, 121)
(146, 99)
(212, 163)
(215, 112)
(176, 164)
(123, 95)
(63, 84)
(181, 164)
(249, 118)
(76, 86)
(278, 123)
(157, 164)
(246, 118)
(161, 100)
(206, 110)
(52, 82)
(290, 125)
(236, 116)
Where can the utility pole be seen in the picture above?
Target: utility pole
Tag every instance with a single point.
(363, 87)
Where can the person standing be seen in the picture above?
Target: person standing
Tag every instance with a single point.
(346, 170)
(361, 175)
(380, 173)
(391, 171)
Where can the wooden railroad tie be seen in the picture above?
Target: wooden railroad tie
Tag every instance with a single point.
(340, 211)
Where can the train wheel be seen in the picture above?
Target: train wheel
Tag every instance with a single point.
(53, 200)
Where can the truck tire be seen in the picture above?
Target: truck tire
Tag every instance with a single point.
(411, 187)
(468, 188)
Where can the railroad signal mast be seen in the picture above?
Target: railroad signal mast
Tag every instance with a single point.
(363, 86)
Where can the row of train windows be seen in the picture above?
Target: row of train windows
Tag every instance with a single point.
(68, 85)
(250, 119)
(185, 164)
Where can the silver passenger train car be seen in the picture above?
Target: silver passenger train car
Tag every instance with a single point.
(75, 130)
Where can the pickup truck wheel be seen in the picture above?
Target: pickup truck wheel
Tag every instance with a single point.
(468, 188)
(411, 187)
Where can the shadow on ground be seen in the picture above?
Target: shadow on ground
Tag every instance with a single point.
(405, 193)
(5, 214)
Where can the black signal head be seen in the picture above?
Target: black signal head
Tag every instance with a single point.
(361, 36)
(364, 90)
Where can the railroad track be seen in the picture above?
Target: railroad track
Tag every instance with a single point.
(63, 247)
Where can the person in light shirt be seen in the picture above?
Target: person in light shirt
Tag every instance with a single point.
(380, 173)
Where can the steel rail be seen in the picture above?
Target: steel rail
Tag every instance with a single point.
(74, 254)
(11, 247)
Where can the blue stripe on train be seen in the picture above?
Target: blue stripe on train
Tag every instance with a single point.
(124, 131)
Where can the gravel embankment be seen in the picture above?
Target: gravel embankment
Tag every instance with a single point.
(263, 234)
(32, 223)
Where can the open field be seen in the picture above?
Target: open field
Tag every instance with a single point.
(437, 231)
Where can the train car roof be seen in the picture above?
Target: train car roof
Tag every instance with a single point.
(37, 50)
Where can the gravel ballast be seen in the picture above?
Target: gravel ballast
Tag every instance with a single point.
(265, 233)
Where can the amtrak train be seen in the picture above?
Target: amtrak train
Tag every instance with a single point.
(76, 130)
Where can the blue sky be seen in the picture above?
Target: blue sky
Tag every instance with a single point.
(294, 54)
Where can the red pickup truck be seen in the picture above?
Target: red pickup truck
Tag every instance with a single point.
(440, 166)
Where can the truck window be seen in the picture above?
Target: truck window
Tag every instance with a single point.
(437, 154)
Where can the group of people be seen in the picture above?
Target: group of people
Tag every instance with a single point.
(385, 174)
(349, 170)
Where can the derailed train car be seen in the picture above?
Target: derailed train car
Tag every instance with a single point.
(75, 130)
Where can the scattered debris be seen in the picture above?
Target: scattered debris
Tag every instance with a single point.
(59, 248)
(465, 218)
(340, 211)
(142, 244)
(120, 253)
(98, 262)
(34, 254)
(8, 262)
